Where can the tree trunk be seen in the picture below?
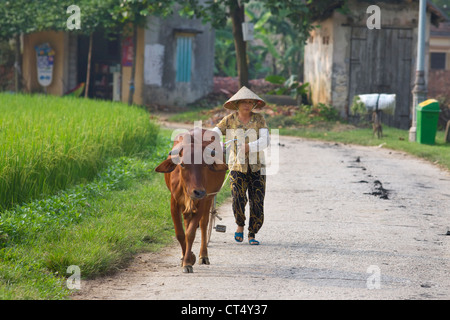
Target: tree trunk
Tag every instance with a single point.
(237, 18)
(88, 73)
(17, 65)
(133, 67)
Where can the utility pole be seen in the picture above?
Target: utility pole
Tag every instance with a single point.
(420, 89)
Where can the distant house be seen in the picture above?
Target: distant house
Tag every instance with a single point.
(174, 62)
(439, 77)
(179, 61)
(344, 58)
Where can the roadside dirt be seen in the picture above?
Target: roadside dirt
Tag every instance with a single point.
(341, 222)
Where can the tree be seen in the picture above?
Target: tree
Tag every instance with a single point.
(280, 40)
(17, 17)
(444, 5)
(237, 14)
(301, 14)
(217, 13)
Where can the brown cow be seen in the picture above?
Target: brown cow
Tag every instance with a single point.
(194, 173)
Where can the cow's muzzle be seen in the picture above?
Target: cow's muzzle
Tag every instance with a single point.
(198, 194)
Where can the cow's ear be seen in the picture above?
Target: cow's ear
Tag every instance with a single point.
(218, 167)
(166, 166)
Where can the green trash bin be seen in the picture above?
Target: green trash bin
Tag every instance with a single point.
(427, 121)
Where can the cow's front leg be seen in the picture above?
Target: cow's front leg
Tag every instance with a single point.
(204, 244)
(178, 225)
(191, 223)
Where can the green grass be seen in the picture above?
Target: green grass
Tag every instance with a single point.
(394, 139)
(49, 143)
(97, 226)
(194, 114)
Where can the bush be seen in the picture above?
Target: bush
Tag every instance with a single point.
(444, 116)
(306, 115)
(322, 112)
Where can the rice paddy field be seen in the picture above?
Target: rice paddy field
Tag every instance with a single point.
(49, 143)
(77, 189)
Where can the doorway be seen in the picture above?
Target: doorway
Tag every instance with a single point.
(381, 62)
(105, 64)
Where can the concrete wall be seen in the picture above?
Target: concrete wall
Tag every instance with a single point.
(341, 66)
(160, 86)
(439, 84)
(138, 76)
(319, 61)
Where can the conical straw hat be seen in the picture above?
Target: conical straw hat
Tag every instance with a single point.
(244, 94)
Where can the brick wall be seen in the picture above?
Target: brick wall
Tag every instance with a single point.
(439, 88)
(439, 83)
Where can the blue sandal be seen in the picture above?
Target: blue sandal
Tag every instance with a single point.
(239, 235)
(253, 242)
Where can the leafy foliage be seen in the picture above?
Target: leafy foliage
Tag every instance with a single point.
(136, 11)
(281, 27)
(290, 86)
(444, 5)
(358, 107)
(21, 16)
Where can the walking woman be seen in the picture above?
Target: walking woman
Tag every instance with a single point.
(250, 136)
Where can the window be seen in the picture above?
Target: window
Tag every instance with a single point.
(437, 60)
(184, 58)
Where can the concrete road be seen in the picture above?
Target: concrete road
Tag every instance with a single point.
(341, 222)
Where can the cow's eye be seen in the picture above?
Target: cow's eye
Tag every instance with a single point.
(182, 164)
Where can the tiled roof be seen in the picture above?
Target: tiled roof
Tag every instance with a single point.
(442, 31)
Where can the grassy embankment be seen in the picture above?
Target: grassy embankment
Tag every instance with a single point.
(77, 188)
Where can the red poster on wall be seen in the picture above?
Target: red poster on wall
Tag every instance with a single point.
(127, 52)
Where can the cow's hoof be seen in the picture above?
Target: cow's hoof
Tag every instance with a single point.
(188, 269)
(193, 258)
(204, 260)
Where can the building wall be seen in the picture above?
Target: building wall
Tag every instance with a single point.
(72, 60)
(341, 66)
(442, 45)
(439, 80)
(318, 62)
(139, 73)
(59, 42)
(160, 85)
(158, 34)
(327, 66)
